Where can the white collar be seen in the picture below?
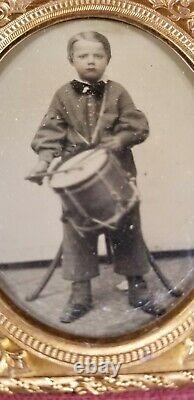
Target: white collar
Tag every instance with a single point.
(104, 79)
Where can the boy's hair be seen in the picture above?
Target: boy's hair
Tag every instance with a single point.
(92, 36)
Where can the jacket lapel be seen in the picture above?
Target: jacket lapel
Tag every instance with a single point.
(73, 105)
(75, 113)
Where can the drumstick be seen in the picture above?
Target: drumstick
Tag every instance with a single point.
(50, 174)
(43, 175)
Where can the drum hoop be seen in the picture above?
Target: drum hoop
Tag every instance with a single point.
(77, 186)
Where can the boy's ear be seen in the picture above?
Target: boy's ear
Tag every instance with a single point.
(70, 60)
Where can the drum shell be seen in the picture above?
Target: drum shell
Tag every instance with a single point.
(106, 197)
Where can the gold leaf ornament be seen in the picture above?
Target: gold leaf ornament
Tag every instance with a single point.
(179, 9)
(159, 3)
(12, 7)
(189, 343)
(12, 363)
(190, 25)
(4, 13)
(19, 6)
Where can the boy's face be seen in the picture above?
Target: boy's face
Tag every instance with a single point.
(89, 59)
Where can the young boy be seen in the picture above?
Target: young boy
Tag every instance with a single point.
(74, 112)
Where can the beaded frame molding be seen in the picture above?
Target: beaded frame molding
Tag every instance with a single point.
(33, 358)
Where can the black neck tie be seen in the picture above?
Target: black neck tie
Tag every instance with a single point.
(95, 89)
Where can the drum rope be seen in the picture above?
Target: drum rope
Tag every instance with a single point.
(113, 193)
(83, 212)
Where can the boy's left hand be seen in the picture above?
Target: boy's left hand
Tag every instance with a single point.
(117, 142)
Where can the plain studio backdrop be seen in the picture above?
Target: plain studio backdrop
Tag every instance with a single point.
(160, 84)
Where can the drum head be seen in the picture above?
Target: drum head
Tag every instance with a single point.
(79, 168)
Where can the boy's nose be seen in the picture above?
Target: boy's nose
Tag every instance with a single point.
(91, 60)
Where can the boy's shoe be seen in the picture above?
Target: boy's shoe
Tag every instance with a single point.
(74, 311)
(79, 303)
(139, 296)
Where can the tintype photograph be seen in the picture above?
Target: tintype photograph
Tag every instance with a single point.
(97, 170)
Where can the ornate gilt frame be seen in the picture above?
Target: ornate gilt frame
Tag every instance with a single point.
(34, 358)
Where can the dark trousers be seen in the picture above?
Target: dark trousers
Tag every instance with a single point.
(80, 258)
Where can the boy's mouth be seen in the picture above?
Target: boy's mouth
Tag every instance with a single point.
(91, 69)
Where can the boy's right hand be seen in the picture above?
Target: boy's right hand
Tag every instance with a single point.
(37, 173)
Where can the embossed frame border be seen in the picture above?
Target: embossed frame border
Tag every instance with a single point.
(29, 350)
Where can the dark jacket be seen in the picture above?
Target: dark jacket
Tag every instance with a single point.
(67, 115)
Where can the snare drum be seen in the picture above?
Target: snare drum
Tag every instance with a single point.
(95, 190)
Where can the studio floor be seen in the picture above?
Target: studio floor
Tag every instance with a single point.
(111, 315)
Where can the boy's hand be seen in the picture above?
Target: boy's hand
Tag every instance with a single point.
(117, 142)
(37, 173)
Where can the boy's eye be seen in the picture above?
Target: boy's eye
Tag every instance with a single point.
(100, 56)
